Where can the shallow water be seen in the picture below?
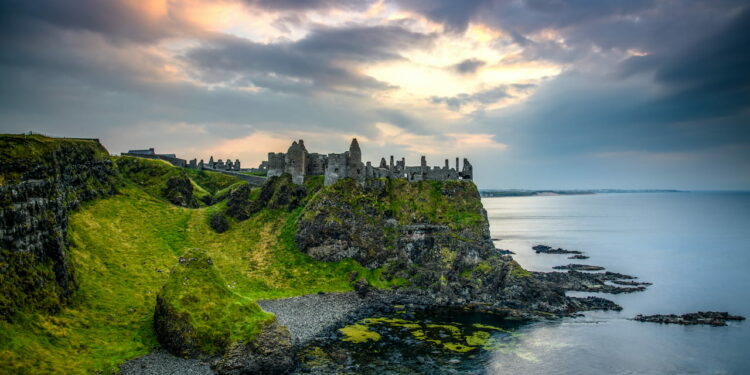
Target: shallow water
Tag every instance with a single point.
(694, 247)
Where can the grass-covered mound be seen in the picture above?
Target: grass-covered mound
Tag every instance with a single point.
(197, 314)
(180, 186)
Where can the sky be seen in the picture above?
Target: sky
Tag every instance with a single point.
(537, 94)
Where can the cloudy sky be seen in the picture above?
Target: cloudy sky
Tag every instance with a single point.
(536, 93)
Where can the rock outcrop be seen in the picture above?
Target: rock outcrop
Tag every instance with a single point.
(277, 193)
(433, 234)
(269, 353)
(41, 180)
(179, 191)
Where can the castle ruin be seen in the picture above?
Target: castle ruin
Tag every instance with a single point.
(298, 162)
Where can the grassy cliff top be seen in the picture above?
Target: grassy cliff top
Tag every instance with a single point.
(19, 154)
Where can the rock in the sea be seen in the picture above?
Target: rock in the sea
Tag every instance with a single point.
(591, 282)
(713, 318)
(579, 267)
(269, 353)
(544, 249)
(578, 256)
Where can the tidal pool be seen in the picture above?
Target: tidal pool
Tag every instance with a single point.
(443, 341)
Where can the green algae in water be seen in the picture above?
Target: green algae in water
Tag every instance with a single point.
(453, 337)
(359, 333)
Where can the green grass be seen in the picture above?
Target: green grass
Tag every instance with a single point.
(197, 295)
(151, 175)
(123, 247)
(18, 152)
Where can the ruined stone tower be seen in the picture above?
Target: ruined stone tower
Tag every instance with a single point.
(335, 166)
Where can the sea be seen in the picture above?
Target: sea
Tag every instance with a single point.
(693, 246)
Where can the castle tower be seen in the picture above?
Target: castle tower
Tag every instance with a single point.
(296, 162)
(355, 168)
(468, 172)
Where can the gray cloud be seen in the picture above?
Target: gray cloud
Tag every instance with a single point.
(320, 61)
(707, 79)
(88, 68)
(485, 97)
(114, 19)
(468, 66)
(294, 5)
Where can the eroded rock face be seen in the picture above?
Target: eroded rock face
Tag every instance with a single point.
(277, 193)
(433, 234)
(40, 186)
(270, 353)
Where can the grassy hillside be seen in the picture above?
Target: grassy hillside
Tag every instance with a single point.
(24, 153)
(123, 247)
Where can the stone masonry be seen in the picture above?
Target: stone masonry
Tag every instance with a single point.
(298, 162)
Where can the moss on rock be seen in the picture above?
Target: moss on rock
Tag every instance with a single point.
(196, 313)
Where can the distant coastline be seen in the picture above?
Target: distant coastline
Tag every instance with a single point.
(490, 193)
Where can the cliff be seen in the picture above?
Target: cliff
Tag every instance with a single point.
(41, 181)
(434, 235)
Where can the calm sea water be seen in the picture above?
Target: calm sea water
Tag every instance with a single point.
(694, 247)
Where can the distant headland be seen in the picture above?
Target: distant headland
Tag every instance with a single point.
(492, 193)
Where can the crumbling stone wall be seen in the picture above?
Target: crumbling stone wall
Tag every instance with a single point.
(335, 166)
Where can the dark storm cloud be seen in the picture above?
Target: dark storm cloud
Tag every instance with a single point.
(309, 4)
(709, 78)
(319, 61)
(468, 66)
(113, 18)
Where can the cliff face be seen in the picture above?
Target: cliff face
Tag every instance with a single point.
(433, 234)
(41, 180)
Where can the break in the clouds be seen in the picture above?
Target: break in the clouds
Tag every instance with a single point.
(537, 93)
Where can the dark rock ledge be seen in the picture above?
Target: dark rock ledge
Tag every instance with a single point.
(544, 249)
(579, 267)
(591, 282)
(712, 318)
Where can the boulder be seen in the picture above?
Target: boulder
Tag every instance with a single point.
(271, 352)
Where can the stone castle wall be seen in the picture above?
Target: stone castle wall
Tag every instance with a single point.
(298, 162)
